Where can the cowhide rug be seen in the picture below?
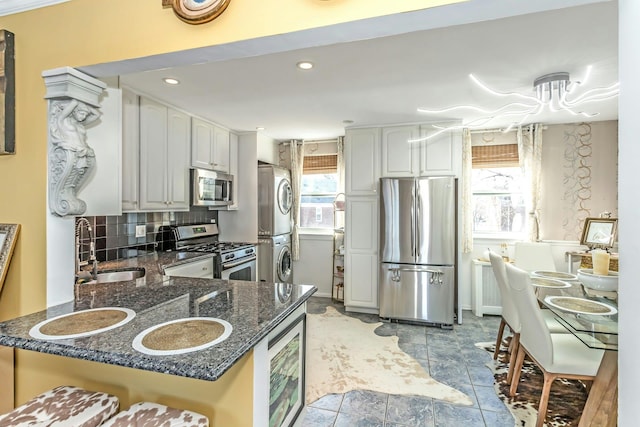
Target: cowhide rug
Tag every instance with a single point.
(566, 400)
(344, 354)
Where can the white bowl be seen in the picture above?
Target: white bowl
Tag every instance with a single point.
(598, 281)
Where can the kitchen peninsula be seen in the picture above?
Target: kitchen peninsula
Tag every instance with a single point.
(235, 369)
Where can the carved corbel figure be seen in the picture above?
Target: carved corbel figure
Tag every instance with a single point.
(71, 159)
(74, 98)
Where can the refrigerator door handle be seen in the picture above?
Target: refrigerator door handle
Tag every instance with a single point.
(418, 199)
(413, 221)
(394, 270)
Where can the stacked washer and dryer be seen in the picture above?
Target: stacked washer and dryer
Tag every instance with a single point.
(275, 200)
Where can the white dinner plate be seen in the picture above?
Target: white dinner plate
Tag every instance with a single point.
(559, 275)
(581, 305)
(543, 282)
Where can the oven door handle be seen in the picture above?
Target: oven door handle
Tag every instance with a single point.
(237, 263)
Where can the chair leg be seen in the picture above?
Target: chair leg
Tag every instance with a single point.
(499, 338)
(516, 372)
(544, 398)
(515, 342)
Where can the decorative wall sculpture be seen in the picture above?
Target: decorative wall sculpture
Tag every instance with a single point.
(197, 11)
(7, 94)
(73, 102)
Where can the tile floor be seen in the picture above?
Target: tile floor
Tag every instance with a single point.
(450, 357)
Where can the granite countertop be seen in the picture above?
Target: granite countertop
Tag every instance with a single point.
(252, 308)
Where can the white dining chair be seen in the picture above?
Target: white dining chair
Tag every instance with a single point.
(510, 316)
(532, 256)
(557, 355)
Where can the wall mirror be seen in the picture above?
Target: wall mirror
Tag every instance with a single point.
(599, 232)
(8, 239)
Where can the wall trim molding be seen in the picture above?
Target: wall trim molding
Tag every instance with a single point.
(8, 7)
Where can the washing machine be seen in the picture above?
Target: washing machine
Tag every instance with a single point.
(275, 263)
(275, 199)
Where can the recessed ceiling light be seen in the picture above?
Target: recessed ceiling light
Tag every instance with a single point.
(260, 128)
(304, 65)
(347, 122)
(171, 81)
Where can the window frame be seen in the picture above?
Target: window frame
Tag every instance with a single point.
(320, 230)
(503, 235)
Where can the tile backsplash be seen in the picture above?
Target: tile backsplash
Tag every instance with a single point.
(115, 236)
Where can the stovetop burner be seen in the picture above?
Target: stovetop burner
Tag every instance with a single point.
(216, 247)
(204, 238)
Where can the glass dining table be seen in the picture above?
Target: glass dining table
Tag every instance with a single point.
(593, 319)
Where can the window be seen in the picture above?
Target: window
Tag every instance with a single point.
(498, 202)
(319, 189)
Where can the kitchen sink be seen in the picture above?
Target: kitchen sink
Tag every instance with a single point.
(119, 275)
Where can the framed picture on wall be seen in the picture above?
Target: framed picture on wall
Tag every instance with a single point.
(286, 375)
(8, 239)
(599, 232)
(7, 94)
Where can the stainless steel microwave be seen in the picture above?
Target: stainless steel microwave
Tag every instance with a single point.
(210, 188)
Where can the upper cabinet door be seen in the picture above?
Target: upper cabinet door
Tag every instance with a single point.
(178, 144)
(442, 154)
(201, 144)
(221, 149)
(153, 155)
(130, 150)
(398, 154)
(209, 146)
(362, 164)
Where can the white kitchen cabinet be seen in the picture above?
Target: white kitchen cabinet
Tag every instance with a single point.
(442, 154)
(398, 154)
(209, 146)
(362, 164)
(361, 254)
(165, 136)
(233, 169)
(130, 150)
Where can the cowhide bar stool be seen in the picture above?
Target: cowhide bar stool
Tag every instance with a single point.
(147, 414)
(66, 406)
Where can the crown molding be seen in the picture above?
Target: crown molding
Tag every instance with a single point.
(8, 7)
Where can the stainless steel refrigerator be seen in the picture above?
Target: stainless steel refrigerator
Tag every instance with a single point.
(418, 223)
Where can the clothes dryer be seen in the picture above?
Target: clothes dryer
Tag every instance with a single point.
(275, 263)
(275, 200)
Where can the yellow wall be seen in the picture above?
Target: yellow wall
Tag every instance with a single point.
(224, 401)
(85, 32)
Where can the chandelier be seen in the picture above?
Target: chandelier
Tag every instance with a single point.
(553, 92)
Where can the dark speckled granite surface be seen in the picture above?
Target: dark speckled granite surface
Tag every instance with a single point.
(252, 308)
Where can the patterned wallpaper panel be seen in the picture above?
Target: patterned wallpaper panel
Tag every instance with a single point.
(579, 177)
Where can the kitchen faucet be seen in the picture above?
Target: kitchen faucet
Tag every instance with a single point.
(92, 250)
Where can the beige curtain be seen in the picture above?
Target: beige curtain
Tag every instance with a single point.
(530, 155)
(296, 149)
(466, 194)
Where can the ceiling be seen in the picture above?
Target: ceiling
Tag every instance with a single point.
(383, 80)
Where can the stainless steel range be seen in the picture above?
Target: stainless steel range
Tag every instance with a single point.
(232, 260)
